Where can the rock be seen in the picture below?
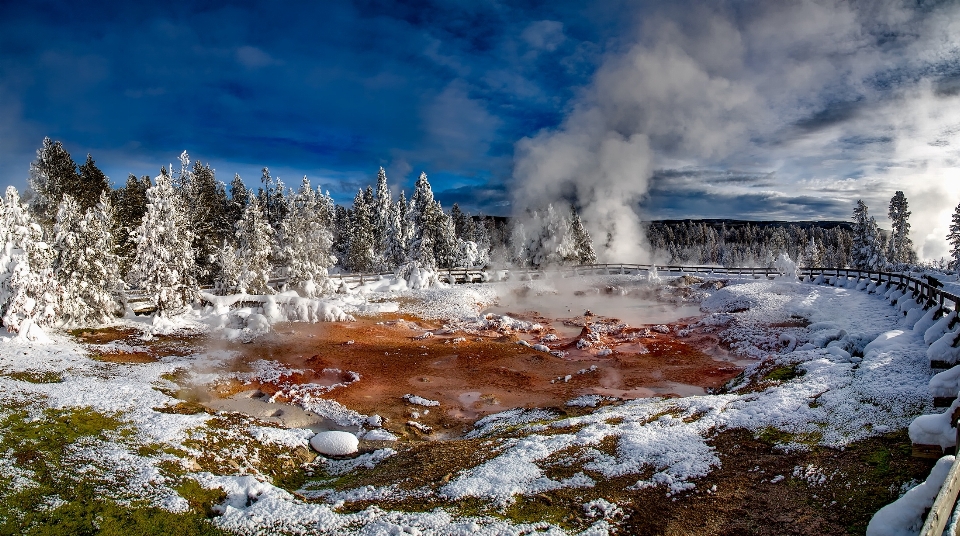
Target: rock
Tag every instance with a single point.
(335, 443)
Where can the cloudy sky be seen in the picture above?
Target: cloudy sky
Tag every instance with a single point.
(636, 110)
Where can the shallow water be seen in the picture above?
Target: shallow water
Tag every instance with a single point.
(574, 299)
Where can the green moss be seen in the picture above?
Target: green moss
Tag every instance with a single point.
(86, 514)
(784, 373)
(200, 499)
(33, 376)
(534, 510)
(184, 408)
(77, 496)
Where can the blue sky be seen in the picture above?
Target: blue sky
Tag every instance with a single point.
(332, 90)
(633, 110)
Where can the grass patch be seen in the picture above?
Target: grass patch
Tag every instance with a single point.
(225, 448)
(35, 376)
(184, 408)
(76, 493)
(200, 498)
(784, 373)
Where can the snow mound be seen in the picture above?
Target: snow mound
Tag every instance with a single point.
(334, 443)
(420, 401)
(904, 517)
(935, 429)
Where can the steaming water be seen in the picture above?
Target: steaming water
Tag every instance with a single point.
(632, 309)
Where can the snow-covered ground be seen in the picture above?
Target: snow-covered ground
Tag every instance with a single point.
(857, 368)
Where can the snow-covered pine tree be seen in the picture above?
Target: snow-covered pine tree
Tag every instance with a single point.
(307, 242)
(813, 255)
(130, 204)
(238, 203)
(29, 292)
(399, 233)
(421, 198)
(446, 245)
(108, 297)
(954, 239)
(382, 216)
(164, 263)
(461, 222)
(272, 199)
(360, 256)
(326, 215)
(206, 197)
(482, 239)
(582, 244)
(52, 174)
(230, 275)
(900, 248)
(92, 183)
(519, 245)
(342, 233)
(867, 250)
(253, 249)
(86, 263)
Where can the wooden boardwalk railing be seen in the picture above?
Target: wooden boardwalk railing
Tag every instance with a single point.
(921, 289)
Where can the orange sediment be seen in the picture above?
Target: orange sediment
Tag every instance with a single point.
(478, 373)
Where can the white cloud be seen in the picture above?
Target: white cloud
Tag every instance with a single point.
(829, 98)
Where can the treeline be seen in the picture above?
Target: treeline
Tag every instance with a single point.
(77, 243)
(737, 243)
(861, 244)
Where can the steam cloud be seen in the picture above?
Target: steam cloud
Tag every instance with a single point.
(844, 100)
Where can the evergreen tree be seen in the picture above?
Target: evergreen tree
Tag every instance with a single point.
(307, 242)
(326, 215)
(206, 198)
(230, 274)
(398, 234)
(130, 204)
(461, 223)
(164, 264)
(481, 238)
(520, 245)
(238, 201)
(341, 233)
(254, 248)
(382, 220)
(813, 255)
(954, 239)
(272, 200)
(583, 245)
(92, 184)
(29, 292)
(867, 251)
(52, 174)
(86, 262)
(360, 256)
(900, 248)
(432, 236)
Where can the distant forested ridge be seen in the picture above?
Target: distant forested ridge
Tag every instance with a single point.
(750, 243)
